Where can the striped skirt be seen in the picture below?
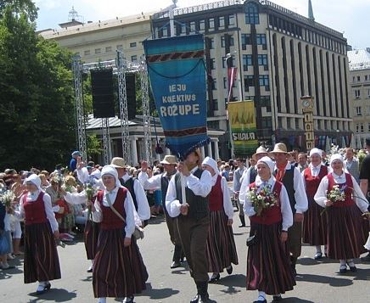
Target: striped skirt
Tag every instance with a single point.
(268, 261)
(118, 271)
(41, 261)
(91, 234)
(346, 235)
(315, 224)
(221, 249)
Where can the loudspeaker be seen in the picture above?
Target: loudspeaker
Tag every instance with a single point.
(131, 95)
(102, 93)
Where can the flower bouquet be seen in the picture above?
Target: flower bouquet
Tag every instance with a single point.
(7, 197)
(335, 195)
(262, 198)
(90, 193)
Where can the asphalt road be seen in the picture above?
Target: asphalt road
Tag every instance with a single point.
(317, 282)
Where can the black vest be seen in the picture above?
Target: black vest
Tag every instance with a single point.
(198, 206)
(129, 184)
(252, 175)
(288, 181)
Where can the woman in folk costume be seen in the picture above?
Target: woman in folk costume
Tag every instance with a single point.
(315, 220)
(41, 262)
(345, 203)
(267, 205)
(221, 250)
(118, 268)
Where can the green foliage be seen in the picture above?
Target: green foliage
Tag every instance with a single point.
(93, 145)
(36, 101)
(19, 7)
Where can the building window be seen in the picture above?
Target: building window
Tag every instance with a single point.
(212, 63)
(266, 122)
(192, 27)
(358, 79)
(133, 44)
(97, 51)
(251, 14)
(246, 40)
(134, 58)
(265, 101)
(120, 47)
(248, 81)
(357, 94)
(211, 23)
(262, 61)
(231, 20)
(215, 104)
(221, 22)
(214, 84)
(87, 53)
(108, 49)
(202, 25)
(261, 39)
(361, 127)
(247, 61)
(264, 81)
(358, 111)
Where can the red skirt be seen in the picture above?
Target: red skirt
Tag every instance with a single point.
(268, 261)
(118, 271)
(315, 224)
(346, 235)
(91, 234)
(221, 249)
(41, 261)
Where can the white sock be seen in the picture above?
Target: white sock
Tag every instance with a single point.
(342, 262)
(350, 263)
(261, 296)
(318, 249)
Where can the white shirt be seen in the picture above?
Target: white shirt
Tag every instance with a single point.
(286, 210)
(143, 208)
(129, 206)
(32, 197)
(200, 187)
(358, 196)
(228, 205)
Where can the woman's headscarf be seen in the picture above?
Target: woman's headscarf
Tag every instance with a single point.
(212, 163)
(336, 157)
(110, 170)
(34, 179)
(316, 151)
(267, 160)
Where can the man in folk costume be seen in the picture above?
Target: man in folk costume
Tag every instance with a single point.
(291, 177)
(187, 199)
(161, 182)
(136, 190)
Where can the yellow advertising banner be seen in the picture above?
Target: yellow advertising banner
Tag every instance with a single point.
(243, 127)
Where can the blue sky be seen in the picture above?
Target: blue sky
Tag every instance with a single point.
(350, 17)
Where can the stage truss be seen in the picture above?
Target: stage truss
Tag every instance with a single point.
(120, 66)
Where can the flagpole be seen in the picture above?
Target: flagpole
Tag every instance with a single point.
(227, 57)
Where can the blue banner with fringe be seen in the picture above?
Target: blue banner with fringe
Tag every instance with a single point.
(178, 81)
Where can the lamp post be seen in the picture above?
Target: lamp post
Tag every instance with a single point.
(228, 95)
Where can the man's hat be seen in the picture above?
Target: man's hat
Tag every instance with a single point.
(169, 159)
(76, 153)
(118, 162)
(260, 150)
(279, 148)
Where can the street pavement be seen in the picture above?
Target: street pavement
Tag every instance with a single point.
(317, 282)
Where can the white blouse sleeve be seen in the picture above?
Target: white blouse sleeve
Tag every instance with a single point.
(228, 206)
(359, 197)
(172, 202)
(49, 213)
(286, 210)
(321, 193)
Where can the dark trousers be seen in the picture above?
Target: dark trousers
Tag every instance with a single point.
(193, 235)
(172, 229)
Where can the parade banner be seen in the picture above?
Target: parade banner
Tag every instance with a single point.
(178, 81)
(243, 127)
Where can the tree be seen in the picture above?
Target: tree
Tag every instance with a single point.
(36, 101)
(18, 7)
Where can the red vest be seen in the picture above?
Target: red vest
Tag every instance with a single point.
(34, 211)
(216, 196)
(272, 214)
(348, 190)
(110, 219)
(312, 183)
